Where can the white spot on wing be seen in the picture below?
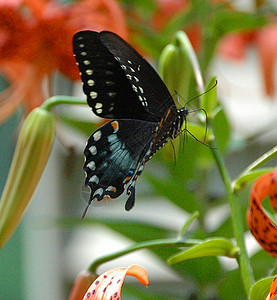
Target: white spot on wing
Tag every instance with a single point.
(94, 179)
(98, 192)
(87, 62)
(97, 135)
(93, 95)
(98, 105)
(111, 94)
(89, 72)
(91, 165)
(91, 82)
(93, 150)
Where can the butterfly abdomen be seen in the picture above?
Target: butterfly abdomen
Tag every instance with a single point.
(169, 128)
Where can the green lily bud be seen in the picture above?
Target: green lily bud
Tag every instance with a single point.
(177, 63)
(31, 154)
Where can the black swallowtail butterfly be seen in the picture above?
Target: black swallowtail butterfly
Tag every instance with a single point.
(121, 85)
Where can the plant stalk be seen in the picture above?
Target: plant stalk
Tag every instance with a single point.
(237, 220)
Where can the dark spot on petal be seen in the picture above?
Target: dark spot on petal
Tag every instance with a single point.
(104, 290)
(93, 292)
(88, 294)
(115, 295)
(96, 282)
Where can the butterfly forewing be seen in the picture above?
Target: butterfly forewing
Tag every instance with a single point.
(118, 82)
(144, 80)
(108, 90)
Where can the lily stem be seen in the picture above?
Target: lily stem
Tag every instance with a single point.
(175, 242)
(237, 220)
(57, 100)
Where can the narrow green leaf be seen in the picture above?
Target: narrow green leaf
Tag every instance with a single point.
(209, 99)
(227, 21)
(221, 129)
(210, 247)
(188, 222)
(85, 127)
(248, 178)
(260, 289)
(199, 131)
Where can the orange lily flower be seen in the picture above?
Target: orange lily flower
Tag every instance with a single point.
(261, 226)
(36, 39)
(265, 40)
(166, 10)
(108, 285)
(273, 290)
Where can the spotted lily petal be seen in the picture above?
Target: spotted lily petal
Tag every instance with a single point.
(31, 154)
(261, 226)
(108, 285)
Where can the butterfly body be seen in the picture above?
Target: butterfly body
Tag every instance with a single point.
(121, 85)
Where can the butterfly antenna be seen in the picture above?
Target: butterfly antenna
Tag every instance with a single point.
(206, 118)
(201, 93)
(174, 153)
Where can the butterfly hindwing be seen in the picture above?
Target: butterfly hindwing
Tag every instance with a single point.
(115, 155)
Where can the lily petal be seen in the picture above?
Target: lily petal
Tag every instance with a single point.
(261, 226)
(108, 285)
(273, 290)
(81, 285)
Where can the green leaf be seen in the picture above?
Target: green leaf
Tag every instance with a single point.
(188, 223)
(221, 129)
(261, 288)
(209, 99)
(210, 247)
(248, 178)
(227, 21)
(202, 133)
(87, 128)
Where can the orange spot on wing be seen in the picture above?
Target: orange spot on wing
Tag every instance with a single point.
(127, 179)
(115, 125)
